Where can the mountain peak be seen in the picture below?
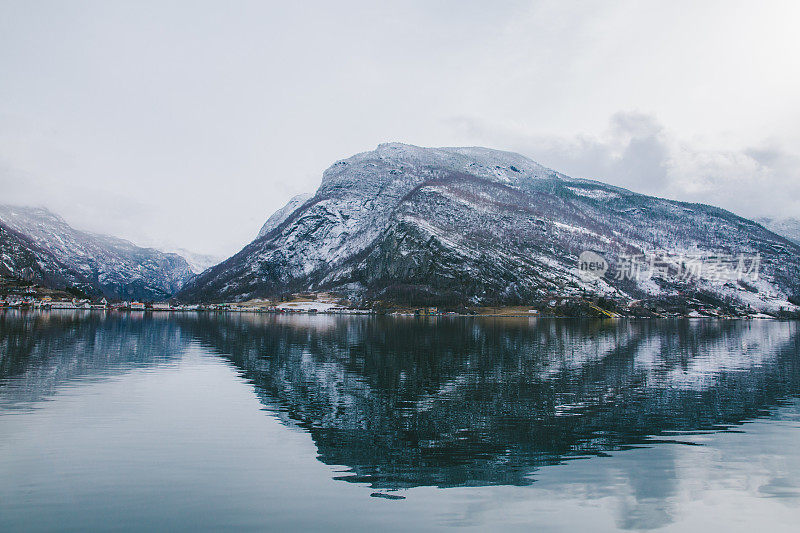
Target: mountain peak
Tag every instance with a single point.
(412, 165)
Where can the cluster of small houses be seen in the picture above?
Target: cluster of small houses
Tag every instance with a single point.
(79, 304)
(49, 303)
(28, 302)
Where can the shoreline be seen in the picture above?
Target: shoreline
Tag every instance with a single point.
(370, 313)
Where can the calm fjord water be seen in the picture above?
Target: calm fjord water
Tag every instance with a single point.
(263, 422)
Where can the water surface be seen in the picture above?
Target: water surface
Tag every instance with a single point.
(264, 422)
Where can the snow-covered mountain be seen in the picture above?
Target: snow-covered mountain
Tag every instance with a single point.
(21, 257)
(197, 262)
(787, 227)
(58, 255)
(482, 226)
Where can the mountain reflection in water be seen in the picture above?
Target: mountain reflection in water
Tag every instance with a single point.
(441, 402)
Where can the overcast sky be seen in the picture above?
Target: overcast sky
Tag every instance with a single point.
(188, 123)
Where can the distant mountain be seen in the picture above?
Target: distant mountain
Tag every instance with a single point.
(787, 227)
(480, 226)
(58, 255)
(197, 262)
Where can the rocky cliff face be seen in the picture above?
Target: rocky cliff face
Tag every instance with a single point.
(52, 252)
(481, 226)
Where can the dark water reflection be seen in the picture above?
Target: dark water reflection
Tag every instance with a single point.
(449, 402)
